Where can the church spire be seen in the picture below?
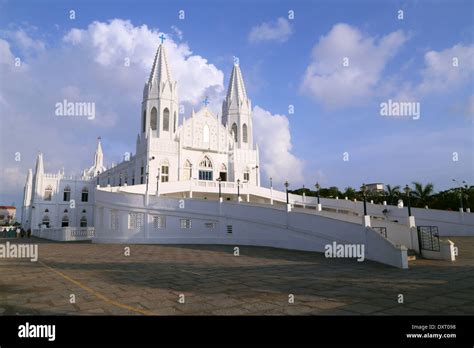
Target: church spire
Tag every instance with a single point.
(39, 170)
(160, 72)
(236, 90)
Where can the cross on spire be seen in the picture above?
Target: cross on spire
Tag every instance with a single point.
(206, 101)
(162, 38)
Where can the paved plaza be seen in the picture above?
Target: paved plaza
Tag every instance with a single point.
(152, 280)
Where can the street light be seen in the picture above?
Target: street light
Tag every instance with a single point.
(407, 191)
(120, 180)
(460, 193)
(158, 181)
(271, 182)
(286, 187)
(317, 190)
(219, 181)
(108, 178)
(363, 188)
(238, 190)
(256, 174)
(98, 177)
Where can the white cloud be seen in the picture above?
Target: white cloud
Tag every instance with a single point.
(272, 133)
(440, 74)
(334, 85)
(86, 65)
(278, 31)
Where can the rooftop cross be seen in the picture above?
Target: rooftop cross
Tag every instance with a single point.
(162, 38)
(206, 101)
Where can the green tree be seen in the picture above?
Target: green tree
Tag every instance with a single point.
(422, 194)
(392, 194)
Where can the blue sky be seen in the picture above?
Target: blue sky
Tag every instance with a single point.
(405, 60)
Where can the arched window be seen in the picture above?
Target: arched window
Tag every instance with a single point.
(223, 172)
(144, 121)
(48, 193)
(46, 210)
(154, 119)
(244, 133)
(247, 175)
(234, 132)
(65, 221)
(45, 221)
(85, 195)
(67, 194)
(187, 173)
(65, 211)
(165, 171)
(83, 221)
(205, 169)
(175, 122)
(166, 119)
(205, 134)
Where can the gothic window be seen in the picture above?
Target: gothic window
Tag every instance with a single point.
(187, 170)
(45, 221)
(85, 195)
(234, 132)
(166, 120)
(205, 134)
(114, 220)
(165, 173)
(65, 221)
(205, 169)
(244, 133)
(175, 122)
(48, 193)
(144, 121)
(83, 222)
(154, 119)
(247, 175)
(67, 194)
(223, 172)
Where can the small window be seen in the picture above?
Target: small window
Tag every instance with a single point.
(83, 221)
(65, 221)
(48, 193)
(113, 220)
(244, 133)
(229, 228)
(135, 221)
(84, 211)
(164, 173)
(159, 222)
(246, 176)
(210, 225)
(85, 195)
(67, 194)
(185, 223)
(45, 221)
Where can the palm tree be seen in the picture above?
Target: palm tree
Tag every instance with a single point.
(422, 194)
(392, 193)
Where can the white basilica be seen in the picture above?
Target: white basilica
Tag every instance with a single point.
(202, 148)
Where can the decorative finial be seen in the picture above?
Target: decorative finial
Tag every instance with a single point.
(162, 38)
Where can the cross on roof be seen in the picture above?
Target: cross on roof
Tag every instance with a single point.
(162, 38)
(206, 101)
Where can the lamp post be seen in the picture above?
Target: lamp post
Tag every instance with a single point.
(256, 174)
(98, 178)
(108, 178)
(460, 194)
(220, 195)
(271, 182)
(407, 191)
(238, 190)
(120, 180)
(147, 175)
(317, 190)
(363, 188)
(286, 188)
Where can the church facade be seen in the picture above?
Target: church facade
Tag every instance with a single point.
(201, 148)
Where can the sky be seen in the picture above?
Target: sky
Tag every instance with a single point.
(317, 73)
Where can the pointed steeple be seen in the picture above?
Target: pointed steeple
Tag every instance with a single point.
(236, 90)
(160, 72)
(39, 170)
(99, 156)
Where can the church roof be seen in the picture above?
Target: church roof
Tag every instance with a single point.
(236, 90)
(160, 71)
